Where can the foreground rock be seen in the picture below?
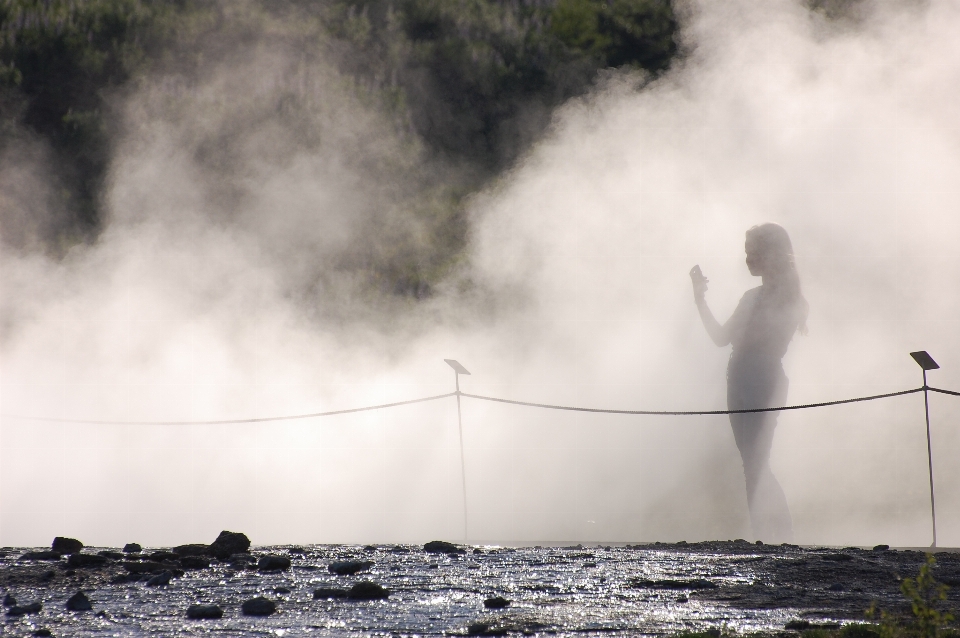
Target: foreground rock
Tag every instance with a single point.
(497, 602)
(23, 610)
(259, 606)
(349, 567)
(204, 612)
(273, 563)
(229, 543)
(443, 547)
(66, 545)
(365, 590)
(41, 555)
(86, 560)
(79, 602)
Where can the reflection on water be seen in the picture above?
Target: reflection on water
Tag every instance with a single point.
(651, 589)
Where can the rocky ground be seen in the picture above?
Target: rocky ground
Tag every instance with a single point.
(444, 589)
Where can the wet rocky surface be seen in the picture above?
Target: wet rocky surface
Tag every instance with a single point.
(446, 589)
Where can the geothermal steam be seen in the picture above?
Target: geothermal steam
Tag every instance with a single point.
(210, 297)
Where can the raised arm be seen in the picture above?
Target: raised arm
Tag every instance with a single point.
(719, 334)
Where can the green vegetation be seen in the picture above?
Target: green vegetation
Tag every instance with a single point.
(471, 83)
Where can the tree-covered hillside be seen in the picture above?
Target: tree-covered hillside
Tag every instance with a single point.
(471, 82)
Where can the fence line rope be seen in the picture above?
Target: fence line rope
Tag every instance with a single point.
(950, 392)
(548, 406)
(697, 412)
(231, 421)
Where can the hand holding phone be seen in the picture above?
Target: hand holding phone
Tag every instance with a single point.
(699, 282)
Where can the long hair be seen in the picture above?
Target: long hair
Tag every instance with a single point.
(773, 240)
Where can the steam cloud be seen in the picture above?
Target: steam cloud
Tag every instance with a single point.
(217, 291)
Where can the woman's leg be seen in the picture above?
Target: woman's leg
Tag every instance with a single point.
(769, 513)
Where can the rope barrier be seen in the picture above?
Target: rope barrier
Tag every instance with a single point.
(496, 400)
(231, 421)
(698, 412)
(950, 392)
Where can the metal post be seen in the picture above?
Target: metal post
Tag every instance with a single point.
(926, 410)
(458, 369)
(463, 467)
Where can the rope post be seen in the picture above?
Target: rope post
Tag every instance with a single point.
(926, 362)
(457, 371)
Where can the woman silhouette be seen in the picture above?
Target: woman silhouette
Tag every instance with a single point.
(760, 330)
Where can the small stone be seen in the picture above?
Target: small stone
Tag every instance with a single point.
(229, 543)
(365, 590)
(23, 610)
(881, 548)
(273, 563)
(195, 562)
(163, 556)
(281, 590)
(86, 560)
(443, 547)
(204, 612)
(349, 567)
(194, 549)
(258, 606)
(477, 550)
(41, 555)
(497, 602)
(79, 602)
(160, 580)
(66, 545)
(43, 631)
(296, 550)
(132, 548)
(9, 601)
(329, 592)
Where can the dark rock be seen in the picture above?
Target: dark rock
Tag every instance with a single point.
(194, 549)
(86, 560)
(125, 578)
(697, 583)
(229, 543)
(296, 550)
(506, 625)
(195, 562)
(43, 631)
(160, 580)
(477, 551)
(329, 592)
(203, 612)
(349, 567)
(837, 557)
(365, 590)
(22, 610)
(111, 554)
(163, 556)
(258, 606)
(881, 548)
(443, 547)
(240, 560)
(9, 601)
(66, 545)
(132, 548)
(145, 567)
(370, 548)
(42, 555)
(273, 563)
(79, 602)
(281, 590)
(48, 575)
(836, 587)
(497, 602)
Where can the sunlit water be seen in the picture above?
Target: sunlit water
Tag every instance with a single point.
(557, 590)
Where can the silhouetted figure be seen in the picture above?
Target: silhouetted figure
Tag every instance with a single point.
(760, 330)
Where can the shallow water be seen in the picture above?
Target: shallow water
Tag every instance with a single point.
(650, 589)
